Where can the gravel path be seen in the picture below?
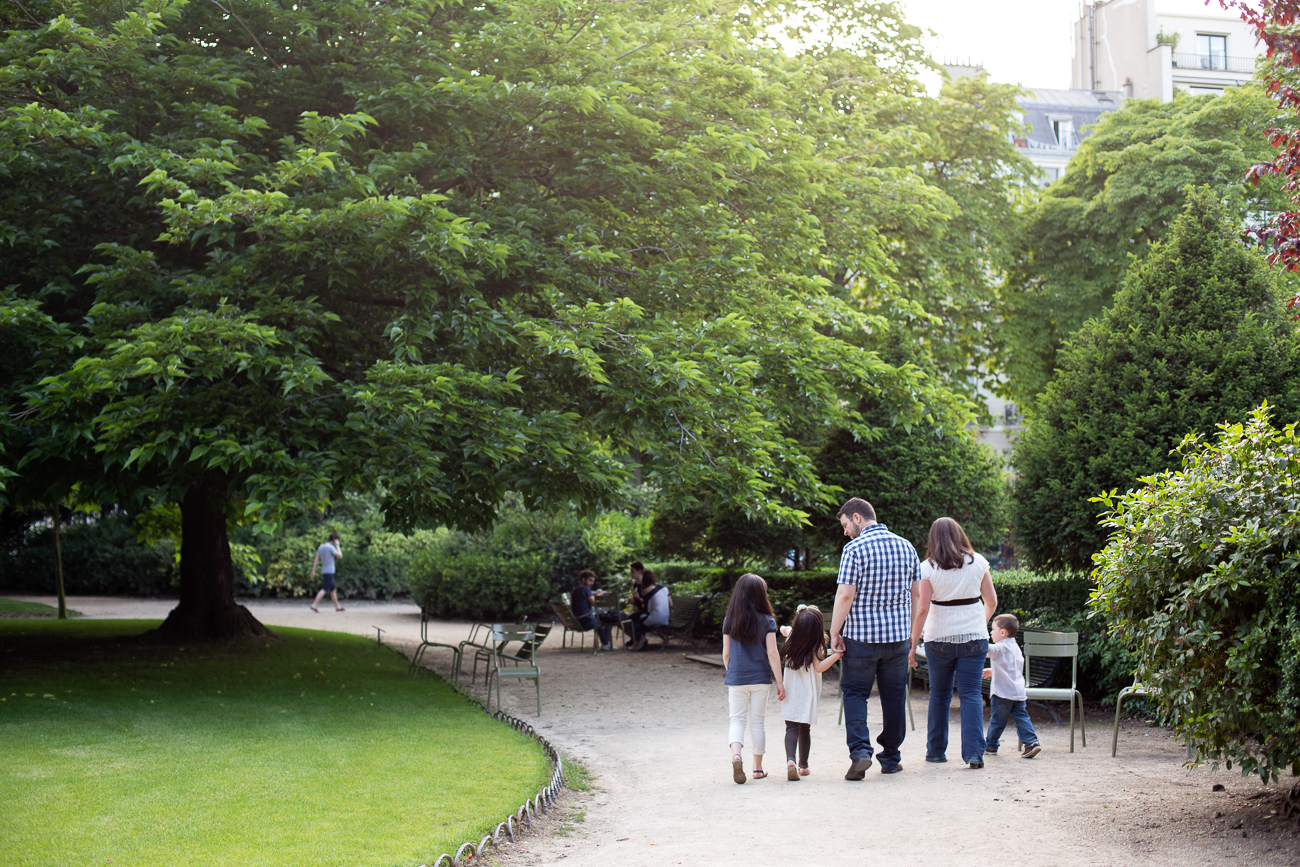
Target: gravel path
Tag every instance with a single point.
(652, 728)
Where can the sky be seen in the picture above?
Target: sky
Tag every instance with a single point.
(1024, 42)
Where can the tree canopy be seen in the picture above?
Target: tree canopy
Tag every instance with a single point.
(259, 255)
(1197, 337)
(1121, 192)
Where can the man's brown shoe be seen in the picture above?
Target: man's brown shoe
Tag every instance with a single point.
(858, 770)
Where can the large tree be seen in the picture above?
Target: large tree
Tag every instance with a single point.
(258, 254)
(1197, 337)
(1120, 194)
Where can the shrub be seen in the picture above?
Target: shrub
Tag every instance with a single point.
(523, 561)
(101, 557)
(1197, 336)
(480, 585)
(913, 477)
(1199, 578)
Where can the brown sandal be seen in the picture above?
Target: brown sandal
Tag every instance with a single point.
(737, 769)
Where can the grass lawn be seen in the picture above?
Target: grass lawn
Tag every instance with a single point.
(13, 606)
(314, 750)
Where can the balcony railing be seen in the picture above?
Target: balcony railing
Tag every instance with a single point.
(1217, 62)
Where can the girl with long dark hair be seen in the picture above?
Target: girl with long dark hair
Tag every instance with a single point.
(957, 600)
(805, 658)
(752, 663)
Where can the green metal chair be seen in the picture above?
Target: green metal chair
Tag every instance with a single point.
(425, 643)
(480, 639)
(521, 664)
(1060, 645)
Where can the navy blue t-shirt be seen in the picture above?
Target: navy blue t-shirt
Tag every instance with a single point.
(582, 599)
(748, 663)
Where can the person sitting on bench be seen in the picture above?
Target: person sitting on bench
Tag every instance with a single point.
(656, 601)
(584, 608)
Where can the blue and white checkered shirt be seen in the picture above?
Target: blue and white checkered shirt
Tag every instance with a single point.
(882, 566)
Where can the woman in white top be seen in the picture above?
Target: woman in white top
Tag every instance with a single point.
(956, 601)
(657, 601)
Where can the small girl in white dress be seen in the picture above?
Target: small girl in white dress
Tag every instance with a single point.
(803, 658)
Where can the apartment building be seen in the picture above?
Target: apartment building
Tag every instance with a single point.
(1149, 48)
(1055, 122)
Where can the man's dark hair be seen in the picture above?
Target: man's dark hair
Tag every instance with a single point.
(1007, 622)
(637, 565)
(585, 574)
(334, 537)
(857, 506)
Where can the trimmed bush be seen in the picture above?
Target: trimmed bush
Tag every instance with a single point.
(913, 477)
(525, 560)
(101, 557)
(1199, 578)
(1197, 336)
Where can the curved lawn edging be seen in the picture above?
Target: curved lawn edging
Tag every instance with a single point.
(513, 825)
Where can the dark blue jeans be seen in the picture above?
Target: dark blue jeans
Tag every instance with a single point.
(886, 665)
(1004, 708)
(964, 664)
(602, 623)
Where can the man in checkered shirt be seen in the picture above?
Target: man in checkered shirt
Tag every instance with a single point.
(871, 626)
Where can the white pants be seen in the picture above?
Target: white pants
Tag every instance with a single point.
(748, 703)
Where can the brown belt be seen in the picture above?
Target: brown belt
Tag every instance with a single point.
(971, 601)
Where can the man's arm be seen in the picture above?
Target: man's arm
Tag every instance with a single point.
(844, 596)
(314, 564)
(921, 594)
(338, 550)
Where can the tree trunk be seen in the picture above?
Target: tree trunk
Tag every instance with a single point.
(58, 565)
(207, 609)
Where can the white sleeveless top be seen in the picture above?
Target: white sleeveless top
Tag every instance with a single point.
(802, 686)
(955, 623)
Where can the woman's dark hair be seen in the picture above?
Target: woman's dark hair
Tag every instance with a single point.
(948, 547)
(748, 610)
(647, 578)
(807, 641)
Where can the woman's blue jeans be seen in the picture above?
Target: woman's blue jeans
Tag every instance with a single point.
(963, 664)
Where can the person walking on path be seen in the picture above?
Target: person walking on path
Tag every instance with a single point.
(325, 556)
(956, 601)
(804, 658)
(871, 626)
(752, 663)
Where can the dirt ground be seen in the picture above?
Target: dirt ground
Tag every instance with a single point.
(651, 728)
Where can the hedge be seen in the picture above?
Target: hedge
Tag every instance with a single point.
(101, 557)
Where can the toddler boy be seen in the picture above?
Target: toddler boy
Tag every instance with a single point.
(1008, 687)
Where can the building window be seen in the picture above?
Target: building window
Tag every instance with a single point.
(1062, 130)
(1211, 51)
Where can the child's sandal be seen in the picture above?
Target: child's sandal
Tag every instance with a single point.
(791, 772)
(803, 772)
